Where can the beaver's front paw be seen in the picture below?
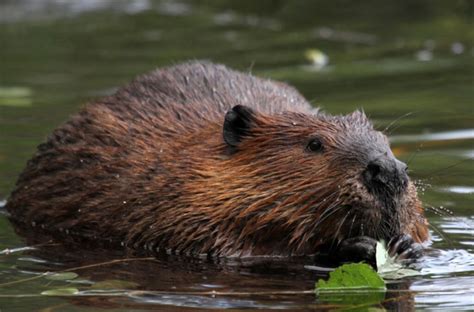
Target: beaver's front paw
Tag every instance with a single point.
(363, 249)
(404, 249)
(357, 249)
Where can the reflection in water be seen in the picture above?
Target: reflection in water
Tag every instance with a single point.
(441, 136)
(391, 59)
(211, 302)
(458, 189)
(13, 11)
(446, 293)
(179, 282)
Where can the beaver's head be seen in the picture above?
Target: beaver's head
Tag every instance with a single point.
(316, 179)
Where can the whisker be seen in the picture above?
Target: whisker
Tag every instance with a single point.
(431, 175)
(440, 233)
(252, 64)
(339, 228)
(352, 224)
(415, 153)
(331, 211)
(383, 230)
(395, 121)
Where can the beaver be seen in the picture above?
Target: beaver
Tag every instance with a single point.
(199, 159)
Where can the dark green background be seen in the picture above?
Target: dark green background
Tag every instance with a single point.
(55, 56)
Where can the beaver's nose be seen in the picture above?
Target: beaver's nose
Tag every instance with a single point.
(385, 174)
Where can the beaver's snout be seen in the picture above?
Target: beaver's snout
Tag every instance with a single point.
(385, 177)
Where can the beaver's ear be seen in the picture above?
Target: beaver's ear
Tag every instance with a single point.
(237, 124)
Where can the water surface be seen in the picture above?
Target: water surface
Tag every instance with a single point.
(408, 64)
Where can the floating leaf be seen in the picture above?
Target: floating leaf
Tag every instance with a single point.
(114, 284)
(81, 281)
(352, 284)
(351, 276)
(62, 276)
(60, 292)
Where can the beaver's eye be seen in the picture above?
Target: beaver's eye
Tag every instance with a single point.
(315, 145)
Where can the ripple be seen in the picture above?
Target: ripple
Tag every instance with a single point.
(458, 225)
(51, 9)
(447, 293)
(464, 134)
(193, 301)
(458, 189)
(447, 262)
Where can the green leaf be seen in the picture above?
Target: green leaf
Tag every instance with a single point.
(62, 276)
(351, 276)
(114, 284)
(356, 285)
(60, 292)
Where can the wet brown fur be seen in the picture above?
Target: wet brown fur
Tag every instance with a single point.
(148, 168)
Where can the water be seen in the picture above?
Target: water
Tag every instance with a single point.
(408, 64)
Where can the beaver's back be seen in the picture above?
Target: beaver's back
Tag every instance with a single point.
(113, 153)
(208, 90)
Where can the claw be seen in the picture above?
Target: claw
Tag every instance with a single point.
(404, 248)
